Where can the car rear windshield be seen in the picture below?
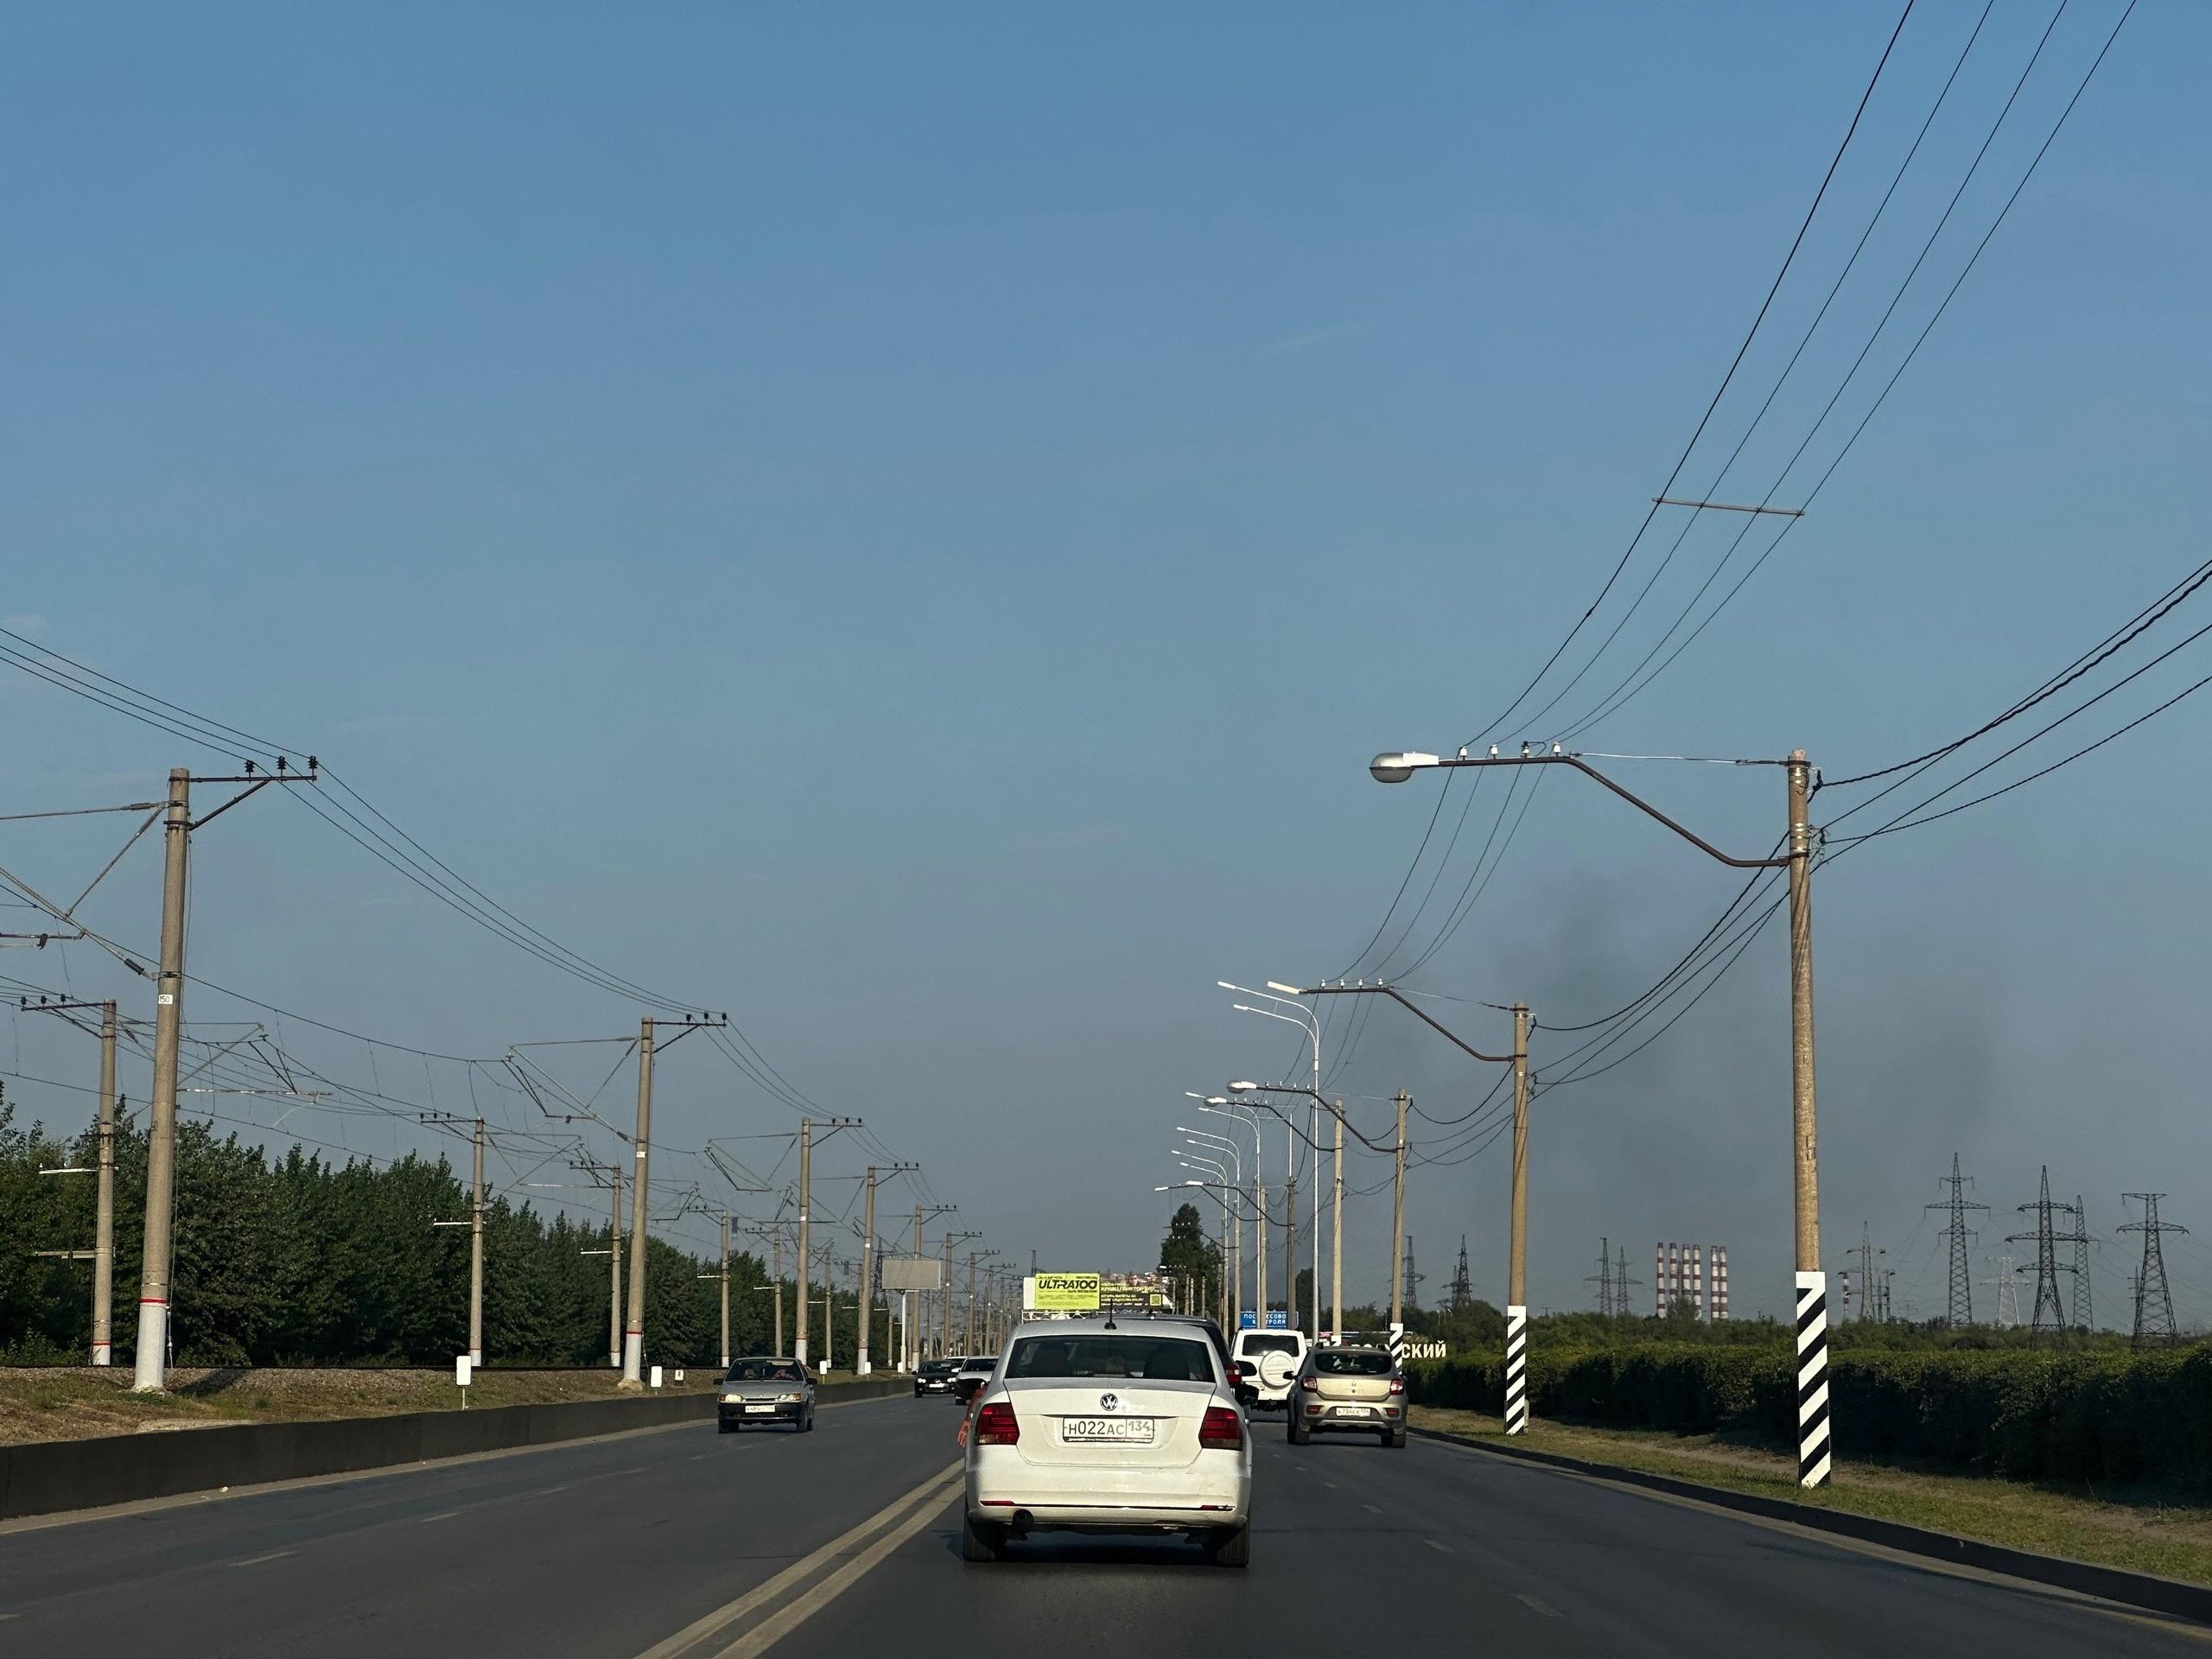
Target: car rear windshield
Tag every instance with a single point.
(1157, 1359)
(1331, 1362)
(763, 1370)
(1251, 1344)
(939, 1367)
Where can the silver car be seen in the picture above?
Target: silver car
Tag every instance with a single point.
(765, 1389)
(1356, 1390)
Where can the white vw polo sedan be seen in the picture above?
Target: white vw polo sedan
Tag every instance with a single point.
(1092, 1426)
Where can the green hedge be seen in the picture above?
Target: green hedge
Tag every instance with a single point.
(2078, 1416)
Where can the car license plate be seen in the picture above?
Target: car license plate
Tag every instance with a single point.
(754, 1408)
(1355, 1411)
(1117, 1431)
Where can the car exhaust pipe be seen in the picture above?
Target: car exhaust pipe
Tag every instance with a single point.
(1020, 1524)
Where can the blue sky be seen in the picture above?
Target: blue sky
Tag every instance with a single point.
(912, 525)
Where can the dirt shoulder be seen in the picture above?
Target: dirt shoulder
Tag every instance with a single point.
(67, 1403)
(2147, 1530)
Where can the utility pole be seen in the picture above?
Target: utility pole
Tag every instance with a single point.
(861, 1366)
(805, 1183)
(104, 1210)
(151, 1359)
(1961, 1311)
(1398, 1237)
(725, 1279)
(1517, 1297)
(945, 1299)
(2154, 1299)
(1337, 1230)
(475, 1225)
(1813, 1457)
(777, 1246)
(633, 1332)
(1290, 1248)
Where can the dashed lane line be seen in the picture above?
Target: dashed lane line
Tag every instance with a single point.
(1535, 1606)
(255, 1561)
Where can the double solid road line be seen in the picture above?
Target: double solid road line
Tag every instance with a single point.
(763, 1616)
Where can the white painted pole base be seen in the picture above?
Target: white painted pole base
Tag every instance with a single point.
(1516, 1370)
(634, 1355)
(103, 1354)
(798, 1350)
(861, 1366)
(1814, 1459)
(153, 1347)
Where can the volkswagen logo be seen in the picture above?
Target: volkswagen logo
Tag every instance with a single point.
(1109, 1402)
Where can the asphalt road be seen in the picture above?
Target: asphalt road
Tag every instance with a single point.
(681, 1544)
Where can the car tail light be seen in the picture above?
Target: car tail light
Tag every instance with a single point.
(1397, 1385)
(995, 1424)
(1222, 1429)
(1310, 1383)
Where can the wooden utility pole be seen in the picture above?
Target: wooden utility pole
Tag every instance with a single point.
(1814, 1459)
(1516, 1291)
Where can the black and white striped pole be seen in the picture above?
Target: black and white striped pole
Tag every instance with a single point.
(1813, 1457)
(1516, 1290)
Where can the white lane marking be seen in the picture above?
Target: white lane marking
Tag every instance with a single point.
(1535, 1606)
(722, 1617)
(769, 1631)
(1334, 1485)
(255, 1561)
(1370, 1508)
(1442, 1549)
(427, 1519)
(701, 1458)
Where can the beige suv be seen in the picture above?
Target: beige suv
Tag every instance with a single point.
(1348, 1389)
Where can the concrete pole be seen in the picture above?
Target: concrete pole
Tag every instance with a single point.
(945, 1304)
(1805, 1157)
(1814, 1430)
(104, 1215)
(806, 1179)
(1228, 1265)
(777, 1279)
(614, 1276)
(1337, 1244)
(1516, 1291)
(969, 1336)
(1398, 1227)
(860, 1365)
(476, 1258)
(633, 1331)
(916, 1304)
(1290, 1252)
(1516, 1284)
(151, 1358)
(725, 1290)
(829, 1308)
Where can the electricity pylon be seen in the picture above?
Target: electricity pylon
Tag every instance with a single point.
(1961, 1311)
(2154, 1298)
(2050, 1312)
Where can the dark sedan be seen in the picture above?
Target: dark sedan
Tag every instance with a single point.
(936, 1377)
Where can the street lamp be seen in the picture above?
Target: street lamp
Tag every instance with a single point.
(1221, 1106)
(1814, 1428)
(1308, 1022)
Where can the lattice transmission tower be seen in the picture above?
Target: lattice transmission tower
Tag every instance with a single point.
(2050, 1312)
(2154, 1298)
(1960, 1311)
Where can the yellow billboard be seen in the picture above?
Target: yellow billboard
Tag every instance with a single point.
(1065, 1292)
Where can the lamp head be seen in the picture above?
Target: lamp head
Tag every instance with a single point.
(1395, 767)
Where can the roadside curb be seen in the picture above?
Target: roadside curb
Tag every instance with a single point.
(2145, 1590)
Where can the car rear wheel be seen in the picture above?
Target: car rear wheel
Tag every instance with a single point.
(980, 1540)
(1394, 1439)
(1231, 1549)
(1300, 1434)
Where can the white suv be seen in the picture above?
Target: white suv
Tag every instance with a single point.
(1274, 1356)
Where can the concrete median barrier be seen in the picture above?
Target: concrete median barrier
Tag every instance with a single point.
(51, 1477)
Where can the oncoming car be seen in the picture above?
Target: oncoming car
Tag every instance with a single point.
(974, 1372)
(935, 1377)
(765, 1389)
(1090, 1425)
(1354, 1391)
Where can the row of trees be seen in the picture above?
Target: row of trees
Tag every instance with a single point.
(304, 1260)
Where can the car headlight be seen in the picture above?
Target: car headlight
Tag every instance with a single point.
(732, 1399)
(788, 1399)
